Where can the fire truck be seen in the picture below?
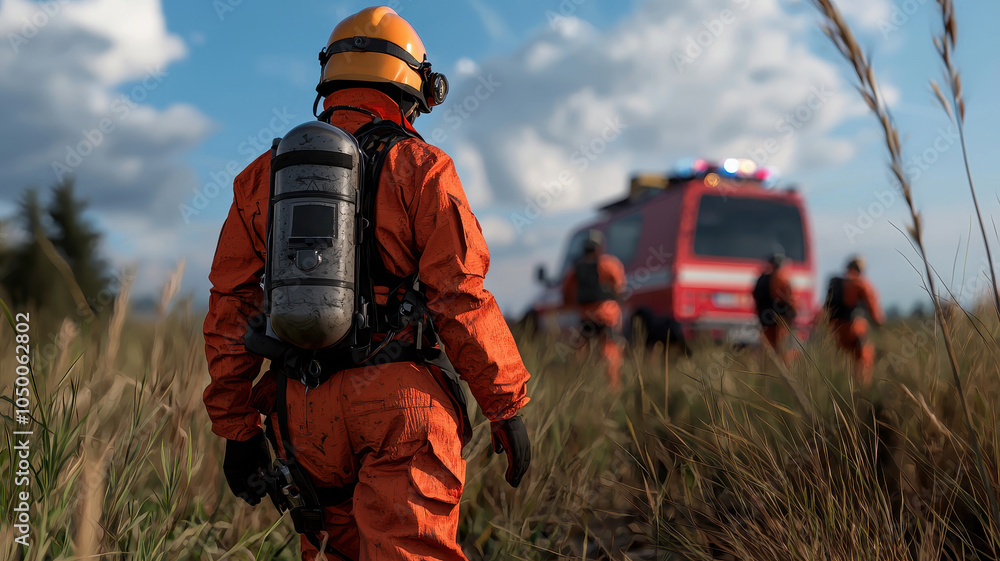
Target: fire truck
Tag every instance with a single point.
(694, 242)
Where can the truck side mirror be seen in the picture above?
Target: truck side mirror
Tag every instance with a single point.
(540, 274)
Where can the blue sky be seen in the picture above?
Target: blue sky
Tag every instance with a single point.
(202, 77)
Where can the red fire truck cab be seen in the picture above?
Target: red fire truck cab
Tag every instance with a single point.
(693, 244)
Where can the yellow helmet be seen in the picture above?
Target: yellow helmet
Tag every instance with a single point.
(376, 45)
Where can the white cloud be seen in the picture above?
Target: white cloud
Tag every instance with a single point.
(77, 80)
(473, 174)
(756, 80)
(497, 230)
(153, 251)
(133, 34)
(465, 67)
(715, 79)
(866, 13)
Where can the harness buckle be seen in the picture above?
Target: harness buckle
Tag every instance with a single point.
(311, 375)
(299, 497)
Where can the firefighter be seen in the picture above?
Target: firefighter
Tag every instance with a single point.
(594, 285)
(383, 441)
(776, 305)
(847, 299)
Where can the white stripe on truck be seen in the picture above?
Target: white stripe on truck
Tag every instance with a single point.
(721, 277)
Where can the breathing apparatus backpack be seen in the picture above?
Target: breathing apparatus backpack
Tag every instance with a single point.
(769, 309)
(323, 262)
(588, 283)
(835, 301)
(763, 301)
(320, 274)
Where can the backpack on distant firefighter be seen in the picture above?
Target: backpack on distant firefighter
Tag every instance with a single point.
(768, 308)
(588, 283)
(839, 311)
(763, 300)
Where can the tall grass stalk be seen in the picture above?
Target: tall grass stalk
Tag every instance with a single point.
(57, 260)
(954, 107)
(839, 32)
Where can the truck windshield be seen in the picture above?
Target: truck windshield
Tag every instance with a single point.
(748, 228)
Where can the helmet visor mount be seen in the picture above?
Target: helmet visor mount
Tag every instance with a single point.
(438, 86)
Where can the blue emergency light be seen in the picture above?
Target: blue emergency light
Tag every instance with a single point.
(736, 168)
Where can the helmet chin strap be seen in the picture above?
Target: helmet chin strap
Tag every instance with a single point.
(411, 114)
(316, 105)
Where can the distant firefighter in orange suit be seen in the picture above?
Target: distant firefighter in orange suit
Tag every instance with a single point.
(595, 284)
(776, 305)
(845, 299)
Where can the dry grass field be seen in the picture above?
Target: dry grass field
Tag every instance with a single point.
(718, 456)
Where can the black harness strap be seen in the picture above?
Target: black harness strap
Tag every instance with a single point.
(453, 383)
(378, 139)
(328, 496)
(281, 401)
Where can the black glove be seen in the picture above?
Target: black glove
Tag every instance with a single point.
(245, 465)
(512, 436)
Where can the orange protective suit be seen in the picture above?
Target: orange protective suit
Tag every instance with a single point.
(852, 335)
(781, 293)
(391, 429)
(602, 319)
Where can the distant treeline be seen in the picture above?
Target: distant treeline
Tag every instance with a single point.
(50, 255)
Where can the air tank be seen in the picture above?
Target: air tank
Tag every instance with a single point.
(310, 276)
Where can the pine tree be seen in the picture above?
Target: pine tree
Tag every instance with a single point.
(6, 251)
(29, 275)
(77, 241)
